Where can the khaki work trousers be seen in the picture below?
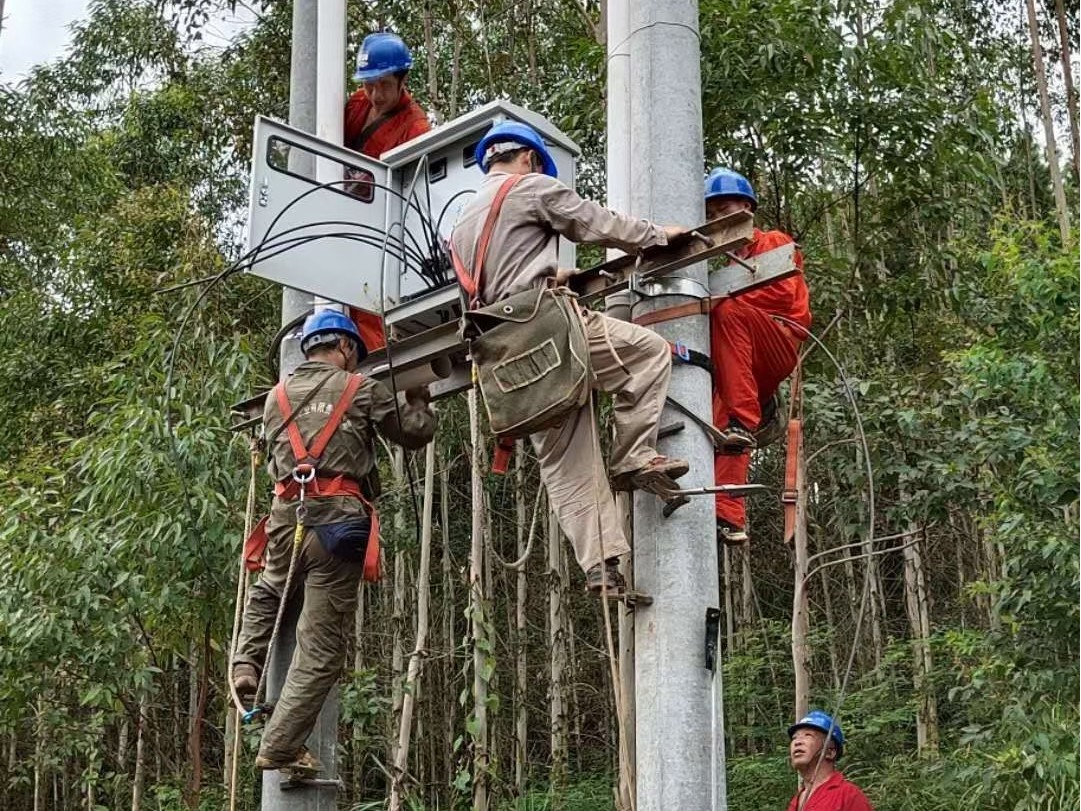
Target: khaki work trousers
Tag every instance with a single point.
(329, 588)
(634, 364)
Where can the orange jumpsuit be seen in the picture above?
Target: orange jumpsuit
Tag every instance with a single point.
(406, 122)
(752, 355)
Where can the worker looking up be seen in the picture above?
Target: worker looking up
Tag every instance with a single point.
(339, 540)
(379, 116)
(752, 352)
(630, 361)
(815, 745)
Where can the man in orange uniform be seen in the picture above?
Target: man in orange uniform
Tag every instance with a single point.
(379, 116)
(752, 352)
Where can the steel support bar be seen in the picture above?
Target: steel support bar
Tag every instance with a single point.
(712, 239)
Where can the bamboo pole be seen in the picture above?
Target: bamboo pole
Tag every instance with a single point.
(1048, 122)
(420, 648)
(477, 614)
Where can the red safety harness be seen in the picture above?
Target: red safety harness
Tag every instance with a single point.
(305, 481)
(470, 282)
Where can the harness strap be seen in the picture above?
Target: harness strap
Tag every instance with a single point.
(470, 281)
(684, 354)
(300, 451)
(697, 307)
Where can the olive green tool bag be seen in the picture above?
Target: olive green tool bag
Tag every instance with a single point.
(530, 354)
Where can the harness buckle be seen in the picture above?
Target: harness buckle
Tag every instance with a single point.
(789, 496)
(303, 474)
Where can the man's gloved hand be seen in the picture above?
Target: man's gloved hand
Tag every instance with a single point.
(418, 396)
(671, 232)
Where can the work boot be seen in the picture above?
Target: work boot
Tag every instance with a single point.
(731, 535)
(606, 574)
(736, 439)
(245, 680)
(303, 764)
(659, 474)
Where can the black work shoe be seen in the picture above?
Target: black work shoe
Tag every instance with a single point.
(605, 575)
(737, 439)
(303, 764)
(730, 534)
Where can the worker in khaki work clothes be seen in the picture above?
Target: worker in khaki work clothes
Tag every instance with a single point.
(816, 744)
(631, 362)
(337, 526)
(379, 116)
(752, 351)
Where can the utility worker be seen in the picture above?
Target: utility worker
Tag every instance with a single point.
(815, 745)
(752, 352)
(631, 362)
(379, 116)
(339, 531)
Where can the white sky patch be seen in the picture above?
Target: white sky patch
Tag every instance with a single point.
(38, 31)
(35, 31)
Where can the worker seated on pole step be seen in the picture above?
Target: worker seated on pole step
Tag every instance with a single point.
(629, 361)
(338, 534)
(379, 116)
(815, 745)
(752, 351)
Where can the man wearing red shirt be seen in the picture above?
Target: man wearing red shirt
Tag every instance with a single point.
(752, 351)
(816, 743)
(379, 116)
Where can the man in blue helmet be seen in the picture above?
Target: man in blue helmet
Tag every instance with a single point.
(627, 360)
(320, 428)
(380, 116)
(752, 352)
(815, 745)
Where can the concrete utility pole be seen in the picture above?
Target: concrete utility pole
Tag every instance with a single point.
(680, 730)
(323, 740)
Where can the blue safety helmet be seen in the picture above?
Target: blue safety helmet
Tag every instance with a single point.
(726, 183)
(823, 722)
(381, 54)
(506, 133)
(328, 327)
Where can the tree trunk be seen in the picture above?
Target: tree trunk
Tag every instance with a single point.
(627, 752)
(1048, 123)
(450, 640)
(919, 620)
(801, 650)
(397, 660)
(729, 603)
(433, 64)
(200, 676)
(138, 781)
(521, 686)
(481, 643)
(420, 649)
(1067, 78)
(39, 758)
(557, 666)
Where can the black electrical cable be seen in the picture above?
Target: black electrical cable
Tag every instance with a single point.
(446, 207)
(331, 183)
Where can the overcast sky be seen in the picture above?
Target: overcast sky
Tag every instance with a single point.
(35, 31)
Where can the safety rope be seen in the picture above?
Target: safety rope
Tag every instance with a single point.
(850, 394)
(626, 770)
(238, 613)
